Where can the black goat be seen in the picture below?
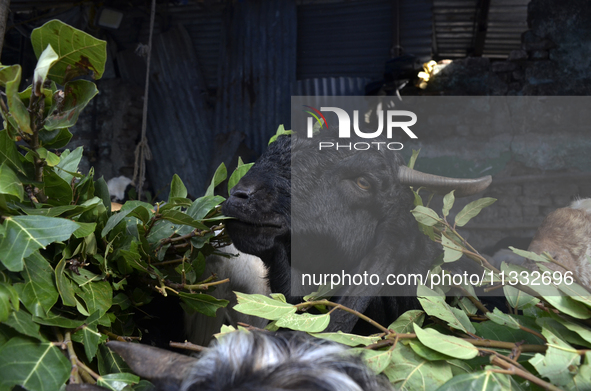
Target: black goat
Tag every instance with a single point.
(357, 206)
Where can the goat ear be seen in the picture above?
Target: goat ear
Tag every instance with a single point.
(157, 365)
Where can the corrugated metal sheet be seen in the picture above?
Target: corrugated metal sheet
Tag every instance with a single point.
(330, 86)
(351, 39)
(179, 123)
(454, 24)
(257, 67)
(416, 28)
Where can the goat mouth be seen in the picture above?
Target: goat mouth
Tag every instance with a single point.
(254, 224)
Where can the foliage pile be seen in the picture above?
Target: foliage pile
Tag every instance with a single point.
(72, 274)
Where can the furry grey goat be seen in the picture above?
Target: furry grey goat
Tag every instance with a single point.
(566, 235)
(358, 206)
(254, 361)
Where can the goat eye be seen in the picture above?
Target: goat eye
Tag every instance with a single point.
(363, 183)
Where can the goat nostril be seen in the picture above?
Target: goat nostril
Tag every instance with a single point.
(241, 193)
(244, 190)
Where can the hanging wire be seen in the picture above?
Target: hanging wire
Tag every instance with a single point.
(142, 150)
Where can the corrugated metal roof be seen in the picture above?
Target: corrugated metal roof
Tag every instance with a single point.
(257, 67)
(416, 28)
(330, 86)
(351, 39)
(454, 27)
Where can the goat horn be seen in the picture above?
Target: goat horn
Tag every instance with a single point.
(443, 185)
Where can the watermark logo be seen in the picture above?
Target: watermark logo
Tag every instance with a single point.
(394, 119)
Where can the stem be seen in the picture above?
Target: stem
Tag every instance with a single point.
(346, 309)
(522, 373)
(74, 374)
(188, 346)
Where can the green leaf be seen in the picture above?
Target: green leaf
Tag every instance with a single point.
(408, 371)
(177, 188)
(53, 319)
(23, 323)
(238, 173)
(178, 217)
(9, 182)
(126, 209)
(8, 300)
(425, 216)
(427, 353)
(65, 113)
(46, 60)
(582, 331)
(96, 294)
(451, 251)
(304, 322)
(435, 305)
(117, 381)
(262, 306)
(202, 303)
(79, 53)
(496, 332)
(487, 380)
(503, 319)
(404, 323)
(448, 203)
(556, 364)
(530, 255)
(25, 234)
(69, 164)
(516, 298)
(9, 153)
(220, 175)
(10, 77)
(446, 344)
(32, 365)
(64, 286)
(472, 209)
(413, 158)
(38, 293)
(58, 191)
(55, 139)
(110, 362)
(89, 336)
(280, 130)
(377, 360)
(347, 339)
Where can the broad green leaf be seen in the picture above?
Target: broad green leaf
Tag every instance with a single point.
(425, 216)
(582, 331)
(262, 306)
(79, 53)
(448, 203)
(516, 298)
(50, 158)
(238, 173)
(472, 209)
(96, 293)
(446, 344)
(377, 360)
(9, 153)
(69, 164)
(34, 366)
(101, 190)
(116, 218)
(177, 188)
(10, 78)
(89, 336)
(110, 362)
(77, 94)
(503, 319)
(408, 371)
(496, 332)
(58, 191)
(22, 322)
(117, 381)
(85, 230)
(552, 323)
(556, 364)
(435, 305)
(487, 380)
(55, 139)
(280, 130)
(64, 285)
(178, 217)
(304, 322)
(413, 158)
(8, 300)
(47, 58)
(220, 175)
(404, 323)
(347, 339)
(427, 353)
(203, 205)
(530, 255)
(38, 292)
(53, 319)
(25, 234)
(451, 251)
(9, 182)
(202, 303)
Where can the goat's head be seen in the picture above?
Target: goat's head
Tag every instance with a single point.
(347, 205)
